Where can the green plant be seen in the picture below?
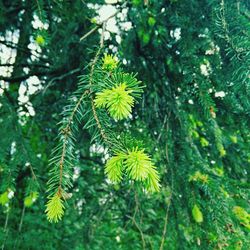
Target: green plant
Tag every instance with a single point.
(106, 87)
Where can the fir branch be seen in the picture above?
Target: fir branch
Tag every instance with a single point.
(137, 164)
(225, 26)
(59, 184)
(23, 144)
(98, 121)
(105, 138)
(66, 133)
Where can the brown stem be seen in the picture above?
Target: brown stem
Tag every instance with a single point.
(90, 82)
(66, 131)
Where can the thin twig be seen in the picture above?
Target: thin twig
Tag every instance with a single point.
(89, 33)
(5, 229)
(100, 24)
(134, 220)
(21, 221)
(51, 82)
(139, 229)
(105, 138)
(19, 228)
(163, 125)
(170, 198)
(96, 220)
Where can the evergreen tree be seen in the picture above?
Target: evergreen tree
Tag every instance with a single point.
(124, 124)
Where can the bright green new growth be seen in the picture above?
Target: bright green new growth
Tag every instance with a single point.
(197, 214)
(243, 216)
(113, 168)
(55, 208)
(4, 198)
(40, 40)
(109, 62)
(198, 176)
(152, 183)
(204, 142)
(30, 199)
(137, 165)
(117, 100)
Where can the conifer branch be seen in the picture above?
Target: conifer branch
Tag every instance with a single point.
(55, 208)
(238, 51)
(91, 82)
(117, 92)
(66, 133)
(98, 121)
(20, 132)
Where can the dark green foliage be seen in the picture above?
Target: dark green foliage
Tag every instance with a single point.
(193, 120)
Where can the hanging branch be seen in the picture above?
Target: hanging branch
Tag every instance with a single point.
(225, 26)
(116, 92)
(60, 180)
(63, 162)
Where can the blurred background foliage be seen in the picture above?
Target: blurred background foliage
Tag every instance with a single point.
(194, 58)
